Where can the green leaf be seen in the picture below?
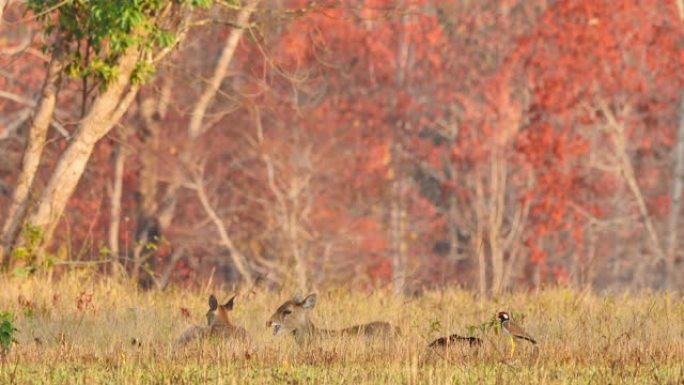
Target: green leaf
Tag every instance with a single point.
(7, 331)
(21, 272)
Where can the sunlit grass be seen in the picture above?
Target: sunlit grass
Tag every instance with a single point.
(81, 330)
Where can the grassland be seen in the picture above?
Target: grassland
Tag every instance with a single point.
(80, 331)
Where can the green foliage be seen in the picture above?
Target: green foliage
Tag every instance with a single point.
(95, 33)
(201, 3)
(28, 254)
(143, 72)
(29, 312)
(435, 326)
(104, 252)
(483, 328)
(7, 331)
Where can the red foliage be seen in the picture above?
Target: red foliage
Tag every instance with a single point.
(455, 86)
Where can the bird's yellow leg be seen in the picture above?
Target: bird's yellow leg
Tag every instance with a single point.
(512, 346)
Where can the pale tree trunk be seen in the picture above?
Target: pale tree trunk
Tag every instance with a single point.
(163, 281)
(489, 207)
(511, 242)
(397, 247)
(286, 208)
(490, 213)
(677, 185)
(3, 5)
(147, 222)
(495, 214)
(293, 232)
(481, 261)
(508, 113)
(32, 154)
(676, 198)
(106, 110)
(456, 222)
(195, 128)
(587, 273)
(624, 164)
(152, 113)
(295, 213)
(479, 209)
(397, 198)
(119, 161)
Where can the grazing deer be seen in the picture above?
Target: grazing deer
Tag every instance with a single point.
(453, 340)
(292, 317)
(218, 324)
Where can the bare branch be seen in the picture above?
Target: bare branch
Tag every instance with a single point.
(235, 254)
(32, 103)
(12, 126)
(17, 98)
(195, 127)
(620, 142)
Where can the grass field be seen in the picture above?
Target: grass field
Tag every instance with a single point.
(80, 331)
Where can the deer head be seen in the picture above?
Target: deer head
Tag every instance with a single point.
(293, 316)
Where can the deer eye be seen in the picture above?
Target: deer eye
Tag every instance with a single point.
(287, 311)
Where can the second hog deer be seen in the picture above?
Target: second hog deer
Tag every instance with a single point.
(292, 317)
(218, 324)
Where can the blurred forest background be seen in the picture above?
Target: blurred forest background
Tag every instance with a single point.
(494, 144)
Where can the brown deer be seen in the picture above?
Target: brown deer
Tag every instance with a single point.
(292, 317)
(218, 324)
(454, 339)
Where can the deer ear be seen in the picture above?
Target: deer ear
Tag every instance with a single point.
(298, 299)
(309, 302)
(213, 302)
(231, 302)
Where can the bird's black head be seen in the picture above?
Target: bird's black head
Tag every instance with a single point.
(503, 316)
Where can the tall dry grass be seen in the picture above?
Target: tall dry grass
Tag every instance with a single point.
(91, 331)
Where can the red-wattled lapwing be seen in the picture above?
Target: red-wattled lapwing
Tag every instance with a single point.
(514, 330)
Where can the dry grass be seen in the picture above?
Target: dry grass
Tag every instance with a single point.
(79, 330)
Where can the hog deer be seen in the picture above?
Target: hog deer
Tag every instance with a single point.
(292, 317)
(218, 324)
(454, 339)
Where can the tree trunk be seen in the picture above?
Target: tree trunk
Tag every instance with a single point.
(286, 209)
(397, 197)
(148, 228)
(479, 250)
(195, 127)
(511, 242)
(496, 207)
(481, 261)
(32, 154)
(165, 276)
(301, 265)
(676, 198)
(3, 5)
(148, 176)
(106, 110)
(617, 128)
(238, 258)
(115, 203)
(396, 228)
